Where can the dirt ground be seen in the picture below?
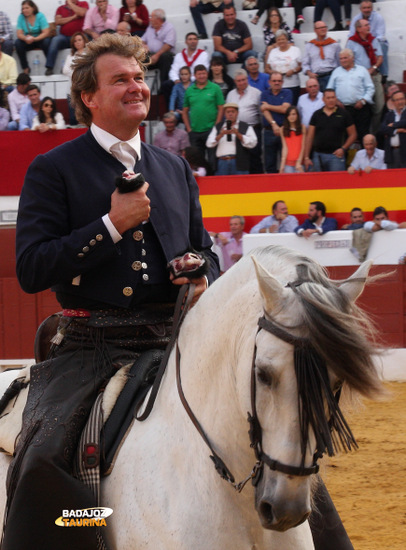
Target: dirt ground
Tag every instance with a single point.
(368, 487)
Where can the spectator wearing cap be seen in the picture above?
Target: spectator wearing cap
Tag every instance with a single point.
(233, 139)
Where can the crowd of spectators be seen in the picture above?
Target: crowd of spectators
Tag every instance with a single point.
(344, 101)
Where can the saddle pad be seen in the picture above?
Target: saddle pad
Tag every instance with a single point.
(12, 405)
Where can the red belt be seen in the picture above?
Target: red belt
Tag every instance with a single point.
(76, 313)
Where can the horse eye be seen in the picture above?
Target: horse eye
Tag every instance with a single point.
(264, 377)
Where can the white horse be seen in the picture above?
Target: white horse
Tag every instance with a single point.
(164, 491)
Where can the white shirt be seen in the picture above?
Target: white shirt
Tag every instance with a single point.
(106, 141)
(179, 62)
(225, 147)
(15, 102)
(307, 107)
(248, 104)
(284, 62)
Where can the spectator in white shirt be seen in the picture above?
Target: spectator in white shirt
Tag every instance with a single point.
(368, 159)
(16, 99)
(310, 102)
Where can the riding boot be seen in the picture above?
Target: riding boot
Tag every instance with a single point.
(327, 528)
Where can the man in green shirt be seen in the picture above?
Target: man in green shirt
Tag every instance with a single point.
(202, 108)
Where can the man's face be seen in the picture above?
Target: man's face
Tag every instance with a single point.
(275, 83)
(155, 21)
(236, 227)
(357, 216)
(201, 77)
(34, 97)
(101, 4)
(330, 100)
(380, 217)
(364, 28)
(312, 87)
(231, 114)
(122, 29)
(313, 213)
(241, 82)
(346, 61)
(280, 209)
(320, 28)
(229, 16)
(369, 144)
(399, 101)
(192, 41)
(252, 66)
(170, 124)
(22, 88)
(121, 101)
(366, 9)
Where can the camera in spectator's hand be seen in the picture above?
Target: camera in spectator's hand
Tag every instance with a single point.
(228, 126)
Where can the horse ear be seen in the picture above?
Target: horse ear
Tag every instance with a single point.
(354, 285)
(271, 290)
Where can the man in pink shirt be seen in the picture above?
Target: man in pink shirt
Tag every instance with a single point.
(102, 17)
(70, 18)
(230, 242)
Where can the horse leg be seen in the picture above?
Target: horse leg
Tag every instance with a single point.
(327, 528)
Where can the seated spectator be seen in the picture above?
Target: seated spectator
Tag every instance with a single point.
(70, 18)
(368, 159)
(172, 139)
(256, 79)
(136, 14)
(273, 24)
(293, 137)
(357, 219)
(103, 17)
(381, 222)
(178, 92)
(123, 28)
(218, 75)
(8, 71)
(4, 114)
(232, 139)
(202, 7)
(321, 56)
(286, 59)
(279, 222)
(6, 34)
(274, 104)
(31, 108)
(32, 32)
(78, 43)
(160, 40)
(232, 38)
(310, 102)
(202, 108)
(16, 99)
(230, 242)
(316, 223)
(191, 56)
(48, 117)
(330, 134)
(393, 129)
(198, 164)
(354, 90)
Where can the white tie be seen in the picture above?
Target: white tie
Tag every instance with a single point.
(124, 153)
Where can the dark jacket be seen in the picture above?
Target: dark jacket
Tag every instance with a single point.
(60, 233)
(388, 132)
(329, 224)
(243, 154)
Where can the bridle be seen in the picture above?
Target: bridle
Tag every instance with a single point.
(255, 430)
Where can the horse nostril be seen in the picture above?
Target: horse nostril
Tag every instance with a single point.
(265, 511)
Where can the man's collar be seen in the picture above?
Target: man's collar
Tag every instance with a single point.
(106, 140)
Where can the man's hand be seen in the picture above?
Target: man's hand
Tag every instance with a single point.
(201, 285)
(308, 163)
(339, 153)
(129, 209)
(231, 56)
(308, 233)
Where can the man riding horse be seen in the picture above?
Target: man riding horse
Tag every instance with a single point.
(105, 255)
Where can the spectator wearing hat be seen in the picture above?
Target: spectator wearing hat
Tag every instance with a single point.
(233, 139)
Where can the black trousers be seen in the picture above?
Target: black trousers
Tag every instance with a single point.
(62, 391)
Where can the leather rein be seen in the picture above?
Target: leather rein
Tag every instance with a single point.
(255, 430)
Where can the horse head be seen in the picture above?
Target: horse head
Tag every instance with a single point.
(312, 341)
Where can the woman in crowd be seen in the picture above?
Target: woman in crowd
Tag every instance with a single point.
(218, 75)
(136, 14)
(293, 138)
(198, 164)
(273, 24)
(298, 6)
(178, 92)
(78, 43)
(4, 114)
(48, 118)
(32, 32)
(286, 59)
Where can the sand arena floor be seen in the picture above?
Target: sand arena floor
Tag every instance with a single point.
(368, 487)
